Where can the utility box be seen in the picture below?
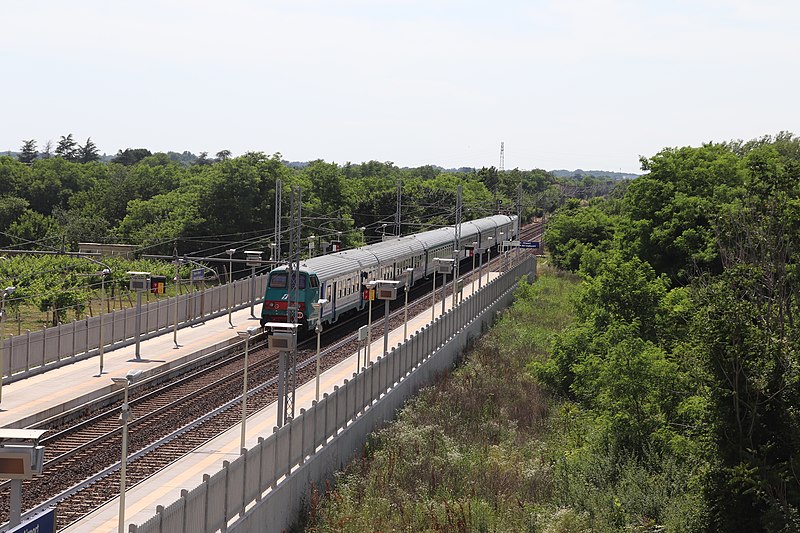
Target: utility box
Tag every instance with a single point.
(252, 258)
(21, 462)
(21, 457)
(140, 281)
(387, 293)
(445, 266)
(362, 333)
(282, 341)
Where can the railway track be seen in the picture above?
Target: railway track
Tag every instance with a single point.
(81, 469)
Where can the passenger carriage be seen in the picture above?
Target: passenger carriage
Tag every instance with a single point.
(339, 277)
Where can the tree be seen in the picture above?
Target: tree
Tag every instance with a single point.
(31, 230)
(131, 156)
(88, 152)
(223, 155)
(162, 219)
(47, 152)
(203, 159)
(28, 152)
(11, 208)
(749, 334)
(67, 148)
(574, 230)
(79, 226)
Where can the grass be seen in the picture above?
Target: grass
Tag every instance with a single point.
(469, 453)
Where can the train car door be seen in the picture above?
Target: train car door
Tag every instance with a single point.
(333, 301)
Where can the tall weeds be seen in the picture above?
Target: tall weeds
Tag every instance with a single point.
(467, 454)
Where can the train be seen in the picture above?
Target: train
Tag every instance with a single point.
(340, 277)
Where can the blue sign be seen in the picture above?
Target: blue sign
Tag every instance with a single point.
(43, 523)
(529, 244)
(198, 274)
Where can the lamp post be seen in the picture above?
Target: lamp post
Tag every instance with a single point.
(230, 253)
(311, 246)
(177, 261)
(387, 291)
(383, 232)
(409, 274)
(363, 230)
(499, 247)
(249, 332)
(272, 252)
(444, 289)
(253, 259)
(6, 292)
(370, 285)
(103, 273)
(456, 261)
(488, 256)
(139, 282)
(433, 292)
(126, 382)
(318, 329)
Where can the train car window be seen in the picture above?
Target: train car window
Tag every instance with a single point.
(277, 281)
(314, 282)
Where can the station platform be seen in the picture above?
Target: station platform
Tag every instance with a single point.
(59, 386)
(36, 398)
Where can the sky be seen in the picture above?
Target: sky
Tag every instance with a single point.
(563, 84)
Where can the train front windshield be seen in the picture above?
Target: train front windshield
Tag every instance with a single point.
(280, 281)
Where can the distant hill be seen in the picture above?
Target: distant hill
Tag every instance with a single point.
(562, 173)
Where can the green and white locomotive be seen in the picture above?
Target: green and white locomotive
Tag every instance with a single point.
(339, 277)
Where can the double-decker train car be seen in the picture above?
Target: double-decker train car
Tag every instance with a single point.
(339, 277)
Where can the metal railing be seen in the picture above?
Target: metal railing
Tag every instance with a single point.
(35, 351)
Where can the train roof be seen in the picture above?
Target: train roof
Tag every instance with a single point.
(436, 237)
(500, 219)
(482, 224)
(396, 247)
(330, 265)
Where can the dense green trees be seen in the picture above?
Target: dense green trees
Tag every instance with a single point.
(154, 200)
(688, 341)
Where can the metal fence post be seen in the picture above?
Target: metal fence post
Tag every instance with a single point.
(302, 436)
(336, 410)
(225, 514)
(184, 494)
(260, 468)
(206, 478)
(27, 350)
(325, 424)
(275, 459)
(244, 483)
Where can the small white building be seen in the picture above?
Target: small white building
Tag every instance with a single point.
(122, 250)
